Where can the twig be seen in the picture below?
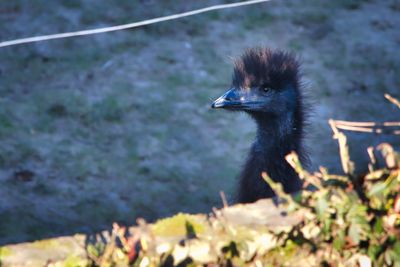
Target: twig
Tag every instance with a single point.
(368, 124)
(372, 164)
(223, 198)
(347, 164)
(393, 100)
(368, 127)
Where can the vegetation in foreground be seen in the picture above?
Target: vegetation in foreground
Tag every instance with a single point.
(337, 220)
(101, 128)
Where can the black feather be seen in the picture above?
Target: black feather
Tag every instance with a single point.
(280, 120)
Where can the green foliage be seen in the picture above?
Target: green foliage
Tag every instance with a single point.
(4, 252)
(180, 224)
(73, 261)
(343, 221)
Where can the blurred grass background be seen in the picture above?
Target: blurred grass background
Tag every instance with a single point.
(115, 126)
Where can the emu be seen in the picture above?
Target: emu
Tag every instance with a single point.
(266, 85)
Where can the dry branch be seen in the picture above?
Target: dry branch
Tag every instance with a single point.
(393, 100)
(368, 127)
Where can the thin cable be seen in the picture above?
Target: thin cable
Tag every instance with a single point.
(127, 26)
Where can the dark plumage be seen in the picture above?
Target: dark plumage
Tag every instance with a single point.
(266, 85)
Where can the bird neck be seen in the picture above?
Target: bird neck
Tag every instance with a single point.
(277, 135)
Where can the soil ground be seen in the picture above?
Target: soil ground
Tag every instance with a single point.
(117, 126)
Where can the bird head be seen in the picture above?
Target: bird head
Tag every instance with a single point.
(264, 82)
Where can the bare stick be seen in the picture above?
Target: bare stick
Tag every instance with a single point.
(368, 130)
(393, 100)
(223, 197)
(368, 124)
(367, 127)
(347, 164)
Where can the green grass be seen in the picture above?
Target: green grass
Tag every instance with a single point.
(128, 112)
(296, 45)
(258, 19)
(310, 18)
(351, 4)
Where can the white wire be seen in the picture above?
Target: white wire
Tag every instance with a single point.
(127, 26)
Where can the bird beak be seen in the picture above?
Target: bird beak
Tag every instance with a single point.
(229, 100)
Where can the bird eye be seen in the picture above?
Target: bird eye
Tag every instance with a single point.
(265, 88)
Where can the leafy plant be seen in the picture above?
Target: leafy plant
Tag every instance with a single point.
(330, 222)
(336, 220)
